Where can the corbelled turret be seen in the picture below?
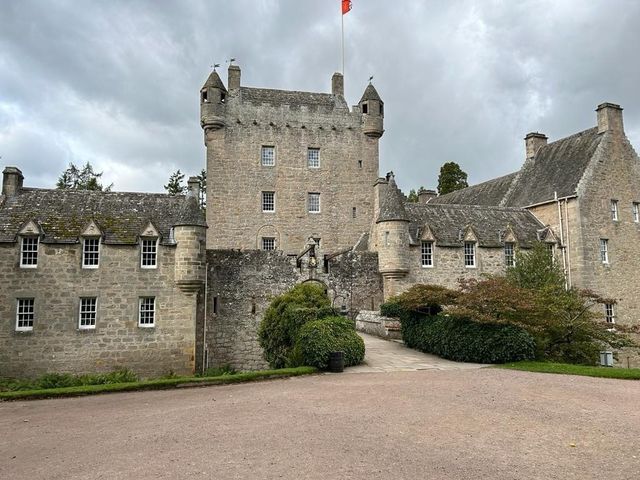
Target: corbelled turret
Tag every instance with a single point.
(372, 108)
(213, 96)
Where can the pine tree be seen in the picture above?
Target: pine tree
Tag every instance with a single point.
(86, 178)
(451, 178)
(175, 186)
(202, 180)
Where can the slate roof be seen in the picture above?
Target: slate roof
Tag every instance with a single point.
(557, 167)
(392, 203)
(487, 193)
(121, 216)
(274, 97)
(370, 93)
(448, 223)
(214, 81)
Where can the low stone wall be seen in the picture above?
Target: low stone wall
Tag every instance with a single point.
(373, 323)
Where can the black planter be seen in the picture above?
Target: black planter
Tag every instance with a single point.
(336, 362)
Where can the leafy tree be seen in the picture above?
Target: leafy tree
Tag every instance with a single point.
(414, 196)
(85, 178)
(175, 186)
(451, 178)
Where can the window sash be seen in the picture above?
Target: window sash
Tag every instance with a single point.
(614, 209)
(25, 314)
(268, 156)
(149, 253)
(147, 312)
(604, 250)
(609, 313)
(268, 201)
(88, 313)
(90, 252)
(509, 257)
(313, 202)
(29, 252)
(268, 243)
(427, 254)
(469, 254)
(313, 158)
(636, 212)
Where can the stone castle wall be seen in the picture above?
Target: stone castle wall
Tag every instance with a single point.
(57, 344)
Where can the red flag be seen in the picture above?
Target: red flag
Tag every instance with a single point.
(346, 6)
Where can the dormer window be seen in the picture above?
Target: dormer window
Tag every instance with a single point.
(29, 252)
(469, 254)
(90, 252)
(149, 253)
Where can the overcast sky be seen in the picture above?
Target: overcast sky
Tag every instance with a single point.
(117, 83)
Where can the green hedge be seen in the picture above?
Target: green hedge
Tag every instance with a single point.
(464, 340)
(318, 338)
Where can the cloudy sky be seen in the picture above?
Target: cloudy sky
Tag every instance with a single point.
(116, 83)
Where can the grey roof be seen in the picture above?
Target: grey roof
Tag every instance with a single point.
(370, 93)
(557, 168)
(392, 203)
(214, 81)
(448, 223)
(121, 216)
(287, 97)
(487, 193)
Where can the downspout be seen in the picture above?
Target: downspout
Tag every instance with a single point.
(562, 245)
(204, 323)
(566, 216)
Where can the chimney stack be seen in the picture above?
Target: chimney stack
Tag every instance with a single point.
(233, 82)
(337, 84)
(609, 118)
(533, 142)
(193, 188)
(11, 181)
(425, 195)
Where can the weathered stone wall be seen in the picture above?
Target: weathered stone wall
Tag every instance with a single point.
(241, 284)
(57, 344)
(373, 323)
(236, 178)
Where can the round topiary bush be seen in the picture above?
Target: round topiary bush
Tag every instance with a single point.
(317, 339)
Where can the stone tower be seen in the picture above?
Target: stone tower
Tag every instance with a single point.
(286, 166)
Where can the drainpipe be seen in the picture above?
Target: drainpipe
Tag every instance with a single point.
(204, 323)
(562, 245)
(566, 216)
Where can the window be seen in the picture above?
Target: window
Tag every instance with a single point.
(88, 313)
(313, 158)
(317, 240)
(365, 108)
(29, 252)
(509, 259)
(604, 250)
(469, 254)
(268, 243)
(636, 212)
(614, 210)
(149, 253)
(268, 156)
(427, 254)
(25, 314)
(354, 212)
(147, 312)
(313, 202)
(90, 252)
(609, 313)
(268, 201)
(203, 96)
(359, 163)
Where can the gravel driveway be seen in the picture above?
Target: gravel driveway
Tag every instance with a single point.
(435, 424)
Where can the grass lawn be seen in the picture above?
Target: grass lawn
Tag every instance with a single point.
(157, 384)
(568, 369)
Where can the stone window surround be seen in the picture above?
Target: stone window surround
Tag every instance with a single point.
(29, 254)
(426, 254)
(148, 252)
(86, 253)
(614, 210)
(147, 311)
(604, 251)
(268, 156)
(313, 202)
(268, 200)
(609, 313)
(313, 157)
(87, 313)
(470, 255)
(25, 314)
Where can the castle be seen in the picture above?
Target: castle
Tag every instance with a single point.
(96, 280)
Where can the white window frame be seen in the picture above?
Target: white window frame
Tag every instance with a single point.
(635, 208)
(149, 241)
(614, 210)
(470, 254)
(20, 312)
(141, 302)
(313, 157)
(426, 253)
(509, 254)
(82, 311)
(24, 242)
(609, 313)
(268, 156)
(264, 195)
(84, 252)
(266, 241)
(314, 195)
(604, 251)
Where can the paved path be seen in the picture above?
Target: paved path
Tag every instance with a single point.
(392, 356)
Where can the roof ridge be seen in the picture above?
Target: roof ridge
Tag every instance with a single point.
(97, 192)
(280, 90)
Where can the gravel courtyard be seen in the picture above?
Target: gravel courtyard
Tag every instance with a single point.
(435, 424)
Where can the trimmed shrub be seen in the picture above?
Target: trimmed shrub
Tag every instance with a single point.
(283, 318)
(464, 340)
(317, 339)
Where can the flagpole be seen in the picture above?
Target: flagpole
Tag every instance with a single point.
(342, 18)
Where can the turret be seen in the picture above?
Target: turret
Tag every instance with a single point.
(372, 108)
(392, 234)
(190, 268)
(213, 97)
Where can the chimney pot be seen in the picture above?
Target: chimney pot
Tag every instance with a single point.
(12, 179)
(533, 142)
(610, 118)
(233, 82)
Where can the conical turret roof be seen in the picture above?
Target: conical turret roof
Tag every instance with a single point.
(214, 81)
(392, 203)
(370, 93)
